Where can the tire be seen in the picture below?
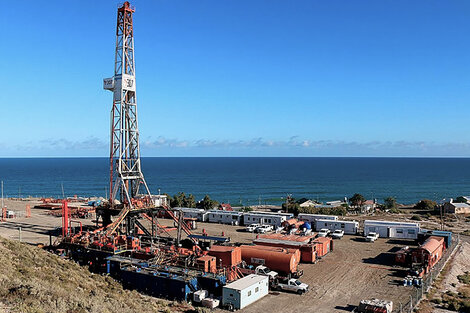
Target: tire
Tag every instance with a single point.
(300, 291)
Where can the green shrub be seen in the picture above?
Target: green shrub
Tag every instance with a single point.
(416, 218)
(465, 278)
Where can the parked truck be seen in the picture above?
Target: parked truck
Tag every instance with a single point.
(371, 237)
(261, 270)
(292, 284)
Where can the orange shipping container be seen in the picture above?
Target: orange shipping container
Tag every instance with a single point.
(308, 253)
(206, 263)
(227, 256)
(429, 253)
(324, 245)
(278, 259)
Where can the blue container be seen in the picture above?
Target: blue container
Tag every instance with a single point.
(446, 234)
(307, 225)
(163, 286)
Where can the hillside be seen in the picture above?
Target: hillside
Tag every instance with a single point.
(34, 280)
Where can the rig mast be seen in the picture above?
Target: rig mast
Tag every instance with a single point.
(126, 178)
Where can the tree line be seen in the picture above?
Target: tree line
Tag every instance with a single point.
(188, 201)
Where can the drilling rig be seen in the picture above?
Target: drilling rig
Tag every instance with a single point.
(128, 189)
(122, 243)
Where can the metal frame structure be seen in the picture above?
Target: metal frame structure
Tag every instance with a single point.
(126, 175)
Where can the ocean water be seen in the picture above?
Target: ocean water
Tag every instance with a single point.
(249, 180)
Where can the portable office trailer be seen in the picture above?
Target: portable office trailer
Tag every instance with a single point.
(200, 214)
(246, 290)
(311, 218)
(266, 218)
(224, 217)
(388, 229)
(349, 227)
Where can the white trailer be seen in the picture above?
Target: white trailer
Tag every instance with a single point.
(349, 227)
(389, 229)
(266, 218)
(200, 214)
(224, 217)
(246, 290)
(311, 218)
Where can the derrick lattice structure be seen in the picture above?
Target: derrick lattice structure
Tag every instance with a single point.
(126, 178)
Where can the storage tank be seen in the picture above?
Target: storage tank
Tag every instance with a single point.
(278, 259)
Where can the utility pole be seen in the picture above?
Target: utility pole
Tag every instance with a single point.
(3, 204)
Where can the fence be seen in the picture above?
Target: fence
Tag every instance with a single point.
(419, 291)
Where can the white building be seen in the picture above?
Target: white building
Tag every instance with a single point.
(349, 227)
(307, 204)
(224, 217)
(266, 218)
(200, 214)
(311, 218)
(245, 291)
(389, 229)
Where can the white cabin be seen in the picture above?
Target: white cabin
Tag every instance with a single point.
(224, 217)
(245, 291)
(200, 214)
(349, 227)
(266, 218)
(389, 229)
(312, 218)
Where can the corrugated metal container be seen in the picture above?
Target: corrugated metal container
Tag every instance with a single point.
(158, 284)
(324, 246)
(212, 284)
(227, 256)
(277, 259)
(207, 263)
(429, 253)
(308, 253)
(245, 291)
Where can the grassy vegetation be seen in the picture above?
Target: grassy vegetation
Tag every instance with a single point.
(466, 232)
(34, 281)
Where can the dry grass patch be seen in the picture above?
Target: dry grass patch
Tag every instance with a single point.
(35, 281)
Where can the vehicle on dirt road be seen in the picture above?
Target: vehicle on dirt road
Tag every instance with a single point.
(337, 234)
(293, 285)
(371, 237)
(252, 227)
(263, 229)
(323, 232)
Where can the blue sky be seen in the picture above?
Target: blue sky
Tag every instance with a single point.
(242, 78)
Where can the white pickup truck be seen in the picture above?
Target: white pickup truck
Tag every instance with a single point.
(263, 229)
(265, 271)
(337, 234)
(371, 237)
(293, 285)
(251, 228)
(323, 232)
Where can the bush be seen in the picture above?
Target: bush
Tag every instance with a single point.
(426, 204)
(416, 218)
(465, 278)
